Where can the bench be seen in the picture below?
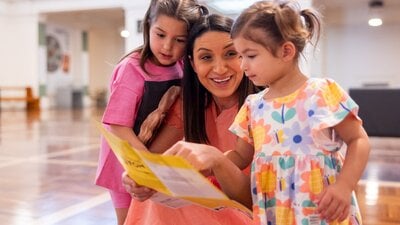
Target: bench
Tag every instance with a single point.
(19, 94)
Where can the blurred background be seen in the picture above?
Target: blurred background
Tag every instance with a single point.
(69, 47)
(56, 59)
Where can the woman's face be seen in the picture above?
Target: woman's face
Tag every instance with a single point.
(217, 63)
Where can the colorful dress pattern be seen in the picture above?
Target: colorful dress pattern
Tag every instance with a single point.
(296, 151)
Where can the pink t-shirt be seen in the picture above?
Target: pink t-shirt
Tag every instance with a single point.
(126, 92)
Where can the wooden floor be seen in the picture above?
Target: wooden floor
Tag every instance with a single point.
(48, 162)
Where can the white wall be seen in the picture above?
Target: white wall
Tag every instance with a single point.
(19, 50)
(360, 54)
(21, 57)
(106, 47)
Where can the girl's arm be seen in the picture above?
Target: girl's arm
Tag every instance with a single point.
(205, 157)
(358, 148)
(167, 136)
(164, 139)
(126, 133)
(334, 201)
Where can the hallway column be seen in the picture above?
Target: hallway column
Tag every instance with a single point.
(134, 13)
(42, 62)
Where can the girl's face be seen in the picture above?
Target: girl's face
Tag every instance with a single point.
(258, 63)
(167, 40)
(217, 63)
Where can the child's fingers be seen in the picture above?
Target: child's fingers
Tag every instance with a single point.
(330, 209)
(345, 213)
(336, 213)
(322, 202)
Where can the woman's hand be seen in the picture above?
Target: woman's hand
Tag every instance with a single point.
(137, 192)
(206, 158)
(202, 157)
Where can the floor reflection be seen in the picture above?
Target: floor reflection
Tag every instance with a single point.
(48, 162)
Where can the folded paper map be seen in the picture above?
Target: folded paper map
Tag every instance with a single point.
(177, 181)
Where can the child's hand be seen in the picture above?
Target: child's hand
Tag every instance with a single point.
(137, 192)
(334, 202)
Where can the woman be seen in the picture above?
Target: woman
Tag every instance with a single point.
(213, 89)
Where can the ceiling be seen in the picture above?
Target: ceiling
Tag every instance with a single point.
(334, 11)
(356, 11)
(89, 19)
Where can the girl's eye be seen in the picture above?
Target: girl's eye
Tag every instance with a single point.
(160, 35)
(251, 56)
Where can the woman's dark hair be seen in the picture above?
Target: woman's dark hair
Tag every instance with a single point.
(188, 11)
(196, 98)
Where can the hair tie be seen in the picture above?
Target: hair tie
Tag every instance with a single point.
(203, 10)
(303, 18)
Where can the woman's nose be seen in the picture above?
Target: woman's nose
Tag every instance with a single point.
(220, 67)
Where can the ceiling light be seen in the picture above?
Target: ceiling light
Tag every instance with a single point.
(375, 13)
(124, 33)
(375, 22)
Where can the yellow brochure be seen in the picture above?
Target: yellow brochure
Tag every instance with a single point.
(177, 182)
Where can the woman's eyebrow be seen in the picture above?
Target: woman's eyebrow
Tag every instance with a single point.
(225, 47)
(203, 49)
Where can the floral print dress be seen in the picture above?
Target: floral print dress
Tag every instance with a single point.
(296, 151)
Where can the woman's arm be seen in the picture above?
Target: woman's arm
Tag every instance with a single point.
(205, 157)
(242, 155)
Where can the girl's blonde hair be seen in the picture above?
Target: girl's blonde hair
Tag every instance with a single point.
(271, 24)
